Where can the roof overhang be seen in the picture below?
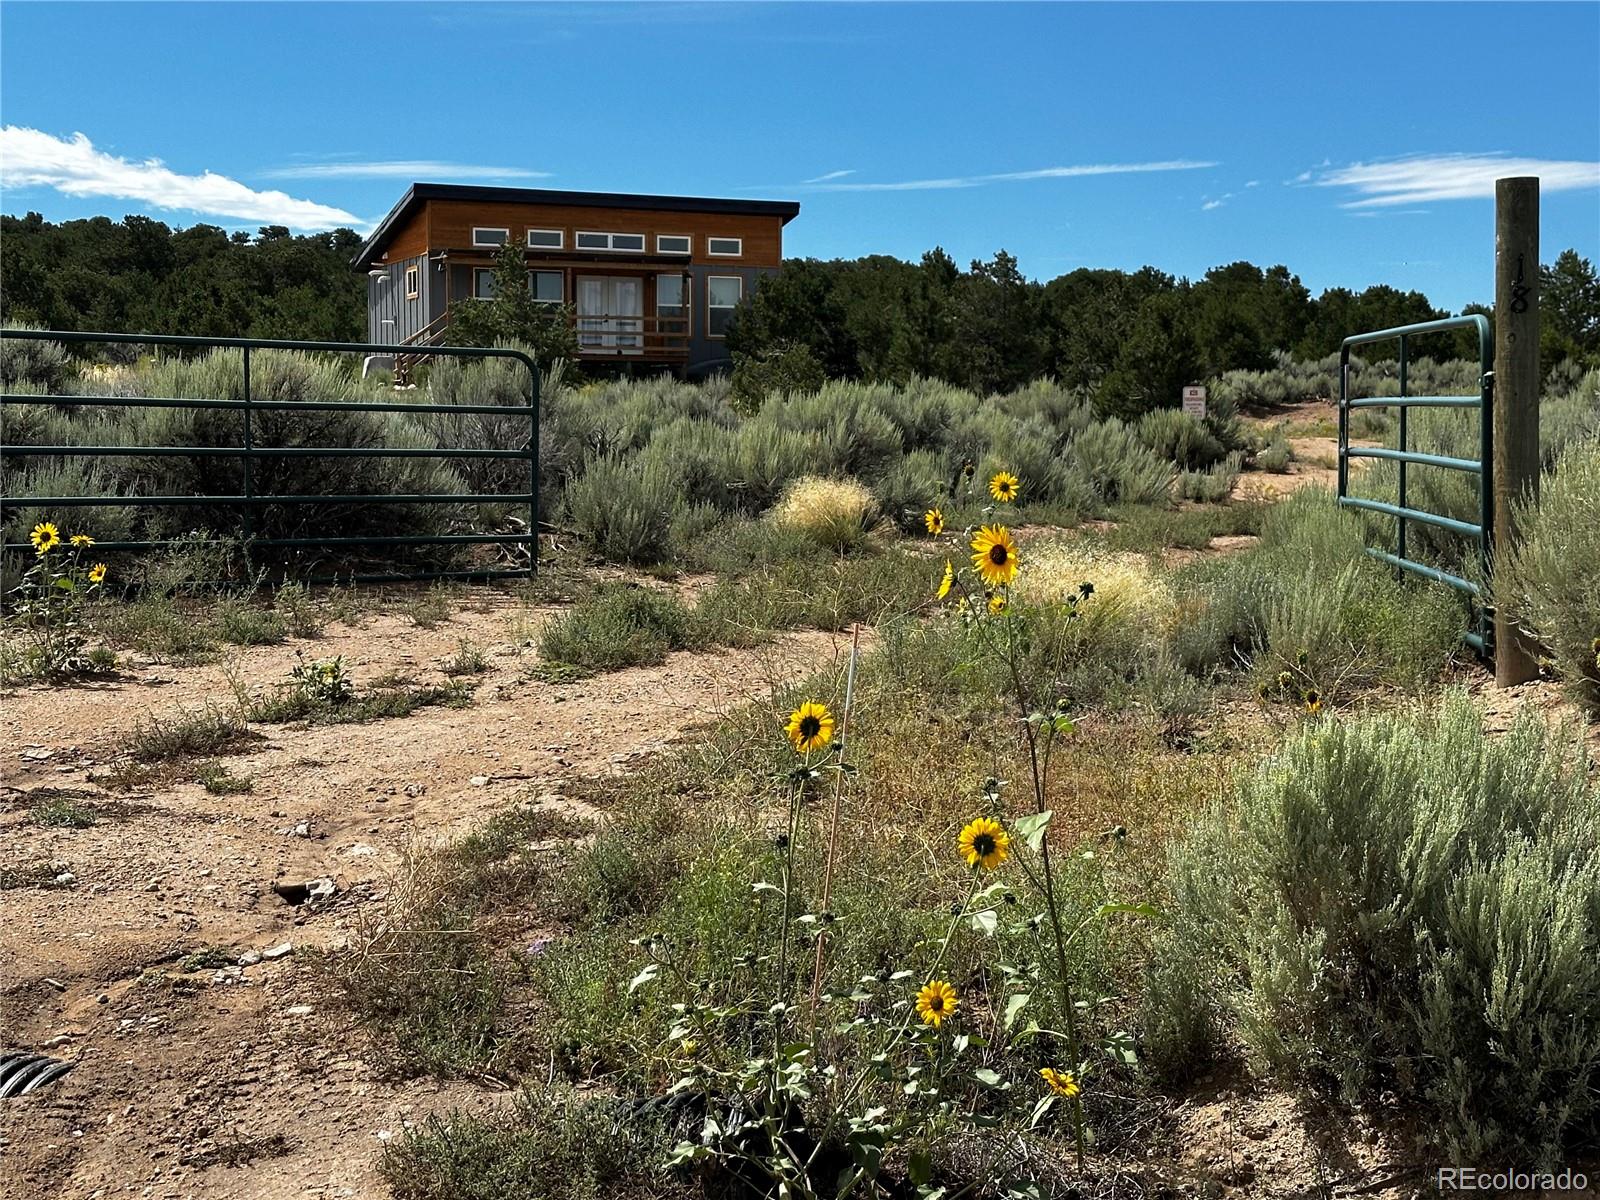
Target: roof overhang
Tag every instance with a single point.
(419, 194)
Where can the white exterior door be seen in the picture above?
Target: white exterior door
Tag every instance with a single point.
(610, 314)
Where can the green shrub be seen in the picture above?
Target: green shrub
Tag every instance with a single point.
(618, 625)
(1276, 455)
(1110, 461)
(1402, 904)
(1551, 582)
(1180, 438)
(779, 370)
(1215, 483)
(625, 509)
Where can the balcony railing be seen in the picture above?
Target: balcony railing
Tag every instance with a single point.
(652, 338)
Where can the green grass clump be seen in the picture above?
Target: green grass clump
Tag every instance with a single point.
(187, 734)
(619, 625)
(1402, 904)
(219, 781)
(556, 1145)
(60, 812)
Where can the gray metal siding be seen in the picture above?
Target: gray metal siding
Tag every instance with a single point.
(707, 354)
(391, 316)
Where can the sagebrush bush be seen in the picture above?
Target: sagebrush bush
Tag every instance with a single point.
(1215, 483)
(834, 513)
(1551, 581)
(1402, 904)
(1117, 467)
(1308, 600)
(1180, 438)
(625, 508)
(1276, 455)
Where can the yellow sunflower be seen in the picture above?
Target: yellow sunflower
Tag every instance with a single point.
(97, 573)
(984, 843)
(1004, 487)
(934, 520)
(46, 537)
(936, 1001)
(810, 727)
(949, 579)
(1313, 702)
(1062, 1083)
(82, 540)
(997, 603)
(994, 555)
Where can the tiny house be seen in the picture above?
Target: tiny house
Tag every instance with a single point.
(652, 280)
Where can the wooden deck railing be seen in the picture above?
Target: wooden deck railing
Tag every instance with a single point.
(617, 338)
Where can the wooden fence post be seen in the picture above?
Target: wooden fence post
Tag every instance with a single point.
(1516, 394)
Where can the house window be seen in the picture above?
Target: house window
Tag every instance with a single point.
(672, 243)
(413, 288)
(615, 242)
(490, 237)
(725, 247)
(723, 293)
(482, 283)
(546, 239)
(672, 304)
(546, 286)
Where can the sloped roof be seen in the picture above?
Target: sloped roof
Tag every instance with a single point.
(419, 193)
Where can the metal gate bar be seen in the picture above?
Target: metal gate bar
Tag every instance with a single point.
(248, 452)
(1480, 635)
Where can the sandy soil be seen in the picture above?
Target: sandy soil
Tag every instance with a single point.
(242, 1082)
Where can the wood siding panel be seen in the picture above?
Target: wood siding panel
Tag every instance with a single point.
(410, 241)
(449, 225)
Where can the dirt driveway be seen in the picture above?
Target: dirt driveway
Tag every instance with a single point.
(228, 1081)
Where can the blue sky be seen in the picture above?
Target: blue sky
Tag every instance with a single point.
(1353, 142)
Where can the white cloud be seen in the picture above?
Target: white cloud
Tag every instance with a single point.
(831, 175)
(1254, 183)
(400, 169)
(30, 158)
(1426, 177)
(1211, 204)
(968, 181)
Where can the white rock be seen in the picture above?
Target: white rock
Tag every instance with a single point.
(278, 951)
(479, 781)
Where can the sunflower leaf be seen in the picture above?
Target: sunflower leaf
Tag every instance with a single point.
(1031, 828)
(987, 1076)
(1015, 1003)
(643, 977)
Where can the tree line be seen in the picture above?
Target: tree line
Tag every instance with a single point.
(1135, 337)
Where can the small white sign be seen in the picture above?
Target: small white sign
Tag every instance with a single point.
(1194, 401)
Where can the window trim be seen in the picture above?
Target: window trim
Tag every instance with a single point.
(472, 293)
(739, 279)
(561, 239)
(610, 235)
(560, 275)
(687, 304)
(477, 229)
(737, 241)
(688, 244)
(413, 279)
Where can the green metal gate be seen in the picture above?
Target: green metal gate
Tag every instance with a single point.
(1479, 637)
(251, 498)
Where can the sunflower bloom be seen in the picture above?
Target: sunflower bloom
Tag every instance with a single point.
(1004, 487)
(1313, 702)
(984, 843)
(949, 579)
(45, 537)
(1062, 1083)
(997, 603)
(936, 1001)
(934, 520)
(82, 540)
(810, 727)
(97, 573)
(994, 555)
